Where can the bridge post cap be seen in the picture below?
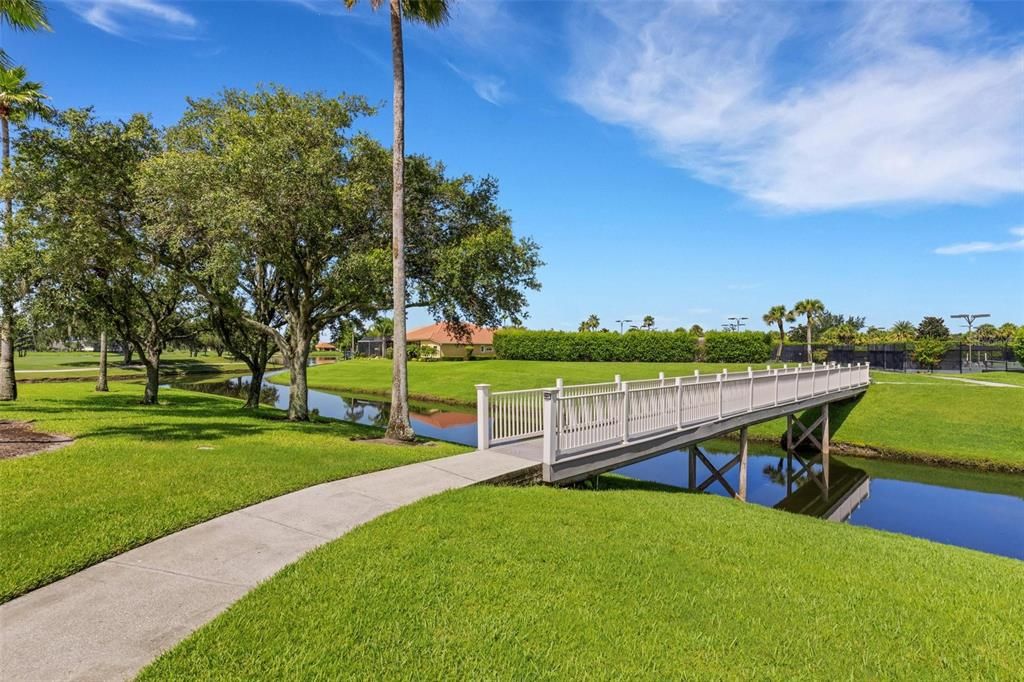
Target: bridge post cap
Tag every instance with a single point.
(479, 386)
(550, 393)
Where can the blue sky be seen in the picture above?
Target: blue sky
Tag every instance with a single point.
(689, 161)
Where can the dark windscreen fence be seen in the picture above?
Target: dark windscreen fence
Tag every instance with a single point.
(899, 357)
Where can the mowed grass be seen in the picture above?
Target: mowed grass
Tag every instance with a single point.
(454, 382)
(137, 473)
(568, 584)
(48, 365)
(930, 420)
(917, 416)
(1015, 378)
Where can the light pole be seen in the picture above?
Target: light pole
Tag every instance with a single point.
(621, 323)
(969, 318)
(737, 322)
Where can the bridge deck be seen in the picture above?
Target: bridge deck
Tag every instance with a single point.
(588, 463)
(580, 431)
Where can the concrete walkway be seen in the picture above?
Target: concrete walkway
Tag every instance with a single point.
(108, 621)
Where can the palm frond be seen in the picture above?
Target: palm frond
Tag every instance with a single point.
(24, 15)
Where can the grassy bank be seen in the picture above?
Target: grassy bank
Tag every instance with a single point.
(453, 382)
(912, 416)
(83, 365)
(137, 473)
(929, 420)
(569, 584)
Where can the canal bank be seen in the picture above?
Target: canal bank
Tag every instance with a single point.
(969, 508)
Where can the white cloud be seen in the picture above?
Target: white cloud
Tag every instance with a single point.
(488, 87)
(110, 15)
(985, 247)
(816, 109)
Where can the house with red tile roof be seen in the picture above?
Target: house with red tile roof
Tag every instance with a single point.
(437, 341)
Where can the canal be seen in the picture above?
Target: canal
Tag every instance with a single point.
(974, 509)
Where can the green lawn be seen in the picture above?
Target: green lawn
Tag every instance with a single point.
(569, 584)
(931, 420)
(916, 416)
(454, 382)
(1015, 378)
(36, 366)
(137, 473)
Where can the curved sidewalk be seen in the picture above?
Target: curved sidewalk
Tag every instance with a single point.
(110, 620)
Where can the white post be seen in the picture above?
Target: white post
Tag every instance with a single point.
(776, 387)
(743, 464)
(750, 377)
(661, 378)
(483, 417)
(618, 381)
(625, 411)
(559, 385)
(679, 402)
(550, 426)
(720, 393)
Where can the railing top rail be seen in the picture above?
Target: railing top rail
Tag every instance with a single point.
(583, 396)
(524, 390)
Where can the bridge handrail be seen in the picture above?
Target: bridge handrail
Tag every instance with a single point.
(507, 416)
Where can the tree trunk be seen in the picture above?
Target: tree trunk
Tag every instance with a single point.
(399, 427)
(298, 390)
(127, 350)
(101, 381)
(252, 398)
(782, 342)
(809, 338)
(151, 359)
(8, 380)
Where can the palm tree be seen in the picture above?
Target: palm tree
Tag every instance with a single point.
(21, 15)
(648, 322)
(778, 315)
(811, 308)
(592, 323)
(19, 99)
(431, 13)
(903, 331)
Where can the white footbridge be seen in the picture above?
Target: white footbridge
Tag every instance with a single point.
(578, 431)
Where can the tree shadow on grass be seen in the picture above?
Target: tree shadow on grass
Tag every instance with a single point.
(199, 418)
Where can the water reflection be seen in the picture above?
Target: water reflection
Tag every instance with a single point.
(431, 421)
(979, 510)
(237, 387)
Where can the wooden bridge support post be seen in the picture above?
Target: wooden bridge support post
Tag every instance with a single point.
(692, 478)
(743, 465)
(824, 446)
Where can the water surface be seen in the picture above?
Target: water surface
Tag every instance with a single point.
(979, 510)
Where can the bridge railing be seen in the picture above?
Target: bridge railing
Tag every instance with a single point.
(585, 416)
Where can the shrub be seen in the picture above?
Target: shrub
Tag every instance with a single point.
(928, 353)
(521, 344)
(737, 347)
(1018, 345)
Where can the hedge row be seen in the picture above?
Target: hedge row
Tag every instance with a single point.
(518, 344)
(736, 347)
